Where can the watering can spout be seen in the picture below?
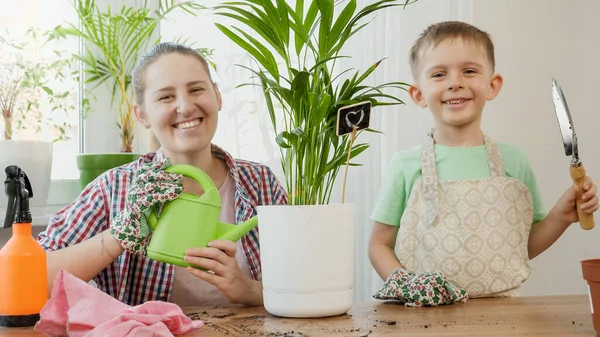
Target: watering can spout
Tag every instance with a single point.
(235, 232)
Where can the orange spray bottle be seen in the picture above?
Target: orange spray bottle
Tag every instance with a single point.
(23, 286)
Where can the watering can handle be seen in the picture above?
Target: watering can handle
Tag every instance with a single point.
(189, 171)
(193, 172)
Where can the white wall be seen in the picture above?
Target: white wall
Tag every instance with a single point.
(536, 40)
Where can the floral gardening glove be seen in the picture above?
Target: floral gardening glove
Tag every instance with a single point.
(416, 290)
(152, 187)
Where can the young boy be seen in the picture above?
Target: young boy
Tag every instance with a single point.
(461, 210)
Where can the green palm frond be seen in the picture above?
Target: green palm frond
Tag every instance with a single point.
(296, 49)
(113, 42)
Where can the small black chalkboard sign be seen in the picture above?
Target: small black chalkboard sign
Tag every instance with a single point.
(350, 119)
(353, 116)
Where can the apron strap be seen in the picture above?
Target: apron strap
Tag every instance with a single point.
(429, 181)
(495, 162)
(428, 170)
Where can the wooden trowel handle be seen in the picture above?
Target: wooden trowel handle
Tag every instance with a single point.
(586, 220)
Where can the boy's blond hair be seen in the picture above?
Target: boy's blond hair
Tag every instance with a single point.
(436, 33)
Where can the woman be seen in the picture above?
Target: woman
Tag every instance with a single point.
(177, 99)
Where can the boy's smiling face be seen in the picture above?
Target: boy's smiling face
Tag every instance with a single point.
(455, 79)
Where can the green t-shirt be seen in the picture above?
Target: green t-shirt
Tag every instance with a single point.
(452, 163)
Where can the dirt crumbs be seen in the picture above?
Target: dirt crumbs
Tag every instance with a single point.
(285, 334)
(194, 316)
(199, 315)
(229, 314)
(387, 322)
(318, 332)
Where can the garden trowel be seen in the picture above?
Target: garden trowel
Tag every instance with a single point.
(586, 221)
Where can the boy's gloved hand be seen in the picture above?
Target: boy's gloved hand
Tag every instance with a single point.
(418, 290)
(152, 186)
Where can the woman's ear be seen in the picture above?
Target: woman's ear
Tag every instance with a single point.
(141, 116)
(218, 93)
(417, 96)
(495, 86)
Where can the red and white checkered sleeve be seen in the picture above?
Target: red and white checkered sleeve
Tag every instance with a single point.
(273, 193)
(83, 218)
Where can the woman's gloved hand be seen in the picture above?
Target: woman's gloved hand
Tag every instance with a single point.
(152, 187)
(418, 290)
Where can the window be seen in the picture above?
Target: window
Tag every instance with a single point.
(244, 126)
(56, 105)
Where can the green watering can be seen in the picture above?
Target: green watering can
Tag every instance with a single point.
(191, 221)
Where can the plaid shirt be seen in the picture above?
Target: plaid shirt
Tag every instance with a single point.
(133, 279)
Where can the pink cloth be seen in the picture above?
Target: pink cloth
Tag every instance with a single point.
(78, 309)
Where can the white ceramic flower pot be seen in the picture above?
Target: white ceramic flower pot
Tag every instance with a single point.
(307, 258)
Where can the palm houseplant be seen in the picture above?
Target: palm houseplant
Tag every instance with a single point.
(113, 42)
(38, 103)
(307, 247)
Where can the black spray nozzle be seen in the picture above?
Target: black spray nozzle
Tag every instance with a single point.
(18, 190)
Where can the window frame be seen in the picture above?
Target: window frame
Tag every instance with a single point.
(98, 124)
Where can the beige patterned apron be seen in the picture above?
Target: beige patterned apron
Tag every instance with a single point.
(473, 231)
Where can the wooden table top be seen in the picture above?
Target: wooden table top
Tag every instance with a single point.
(562, 316)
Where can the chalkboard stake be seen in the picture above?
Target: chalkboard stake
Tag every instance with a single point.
(352, 136)
(350, 119)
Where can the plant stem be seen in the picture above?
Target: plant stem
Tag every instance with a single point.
(348, 163)
(7, 113)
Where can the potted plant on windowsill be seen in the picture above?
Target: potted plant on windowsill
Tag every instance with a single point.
(113, 42)
(36, 102)
(307, 247)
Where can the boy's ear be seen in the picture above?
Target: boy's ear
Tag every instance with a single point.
(495, 86)
(417, 96)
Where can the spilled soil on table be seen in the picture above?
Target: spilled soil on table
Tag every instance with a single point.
(227, 323)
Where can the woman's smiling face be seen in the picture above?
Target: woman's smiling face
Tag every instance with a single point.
(181, 104)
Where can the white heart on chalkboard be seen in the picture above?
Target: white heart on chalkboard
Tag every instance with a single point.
(353, 114)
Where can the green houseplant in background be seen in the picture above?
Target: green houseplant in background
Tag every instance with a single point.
(113, 42)
(25, 85)
(38, 101)
(307, 248)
